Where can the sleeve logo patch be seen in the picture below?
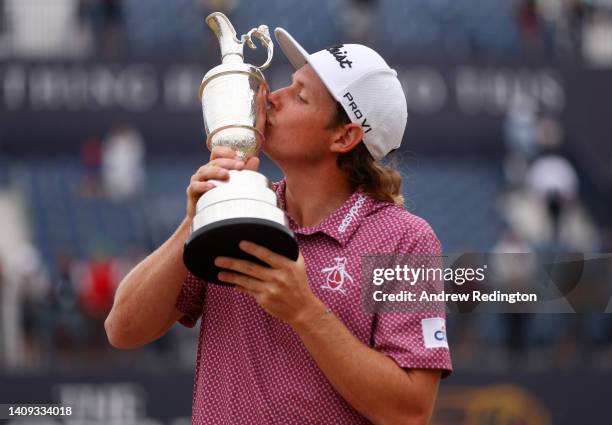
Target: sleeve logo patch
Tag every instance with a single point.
(434, 332)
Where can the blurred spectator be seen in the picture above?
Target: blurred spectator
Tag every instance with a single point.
(548, 213)
(565, 28)
(4, 42)
(32, 284)
(552, 14)
(515, 268)
(549, 134)
(163, 27)
(596, 40)
(99, 280)
(44, 28)
(226, 7)
(553, 179)
(530, 25)
(91, 163)
(123, 166)
(520, 125)
(358, 17)
(577, 12)
(2, 18)
(65, 327)
(3, 330)
(104, 19)
(520, 135)
(513, 271)
(11, 330)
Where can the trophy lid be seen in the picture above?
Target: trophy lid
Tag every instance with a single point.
(231, 47)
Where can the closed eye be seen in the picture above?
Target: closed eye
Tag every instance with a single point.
(300, 88)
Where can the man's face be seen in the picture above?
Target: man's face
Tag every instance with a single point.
(297, 128)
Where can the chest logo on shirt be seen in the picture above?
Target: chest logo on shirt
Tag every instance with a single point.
(336, 276)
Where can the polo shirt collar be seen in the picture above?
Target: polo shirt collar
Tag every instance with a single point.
(341, 224)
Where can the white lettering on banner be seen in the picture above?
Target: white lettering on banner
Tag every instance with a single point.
(133, 88)
(425, 88)
(180, 83)
(351, 214)
(105, 403)
(13, 85)
(492, 90)
(143, 86)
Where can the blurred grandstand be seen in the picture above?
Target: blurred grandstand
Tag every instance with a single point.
(80, 202)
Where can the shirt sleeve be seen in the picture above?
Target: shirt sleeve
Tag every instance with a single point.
(415, 340)
(190, 300)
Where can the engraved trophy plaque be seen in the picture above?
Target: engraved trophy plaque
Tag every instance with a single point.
(244, 207)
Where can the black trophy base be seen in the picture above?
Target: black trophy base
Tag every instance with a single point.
(221, 238)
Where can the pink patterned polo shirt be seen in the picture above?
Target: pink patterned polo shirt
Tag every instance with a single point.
(253, 368)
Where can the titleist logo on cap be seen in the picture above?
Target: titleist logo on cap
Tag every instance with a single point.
(340, 55)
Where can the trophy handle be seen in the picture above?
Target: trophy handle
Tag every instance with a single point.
(262, 33)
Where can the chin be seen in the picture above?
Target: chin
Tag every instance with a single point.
(270, 154)
(270, 140)
(275, 155)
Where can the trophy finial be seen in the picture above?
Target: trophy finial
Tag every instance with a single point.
(226, 34)
(231, 46)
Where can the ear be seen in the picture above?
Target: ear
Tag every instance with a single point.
(347, 137)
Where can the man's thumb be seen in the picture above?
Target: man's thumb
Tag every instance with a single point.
(252, 164)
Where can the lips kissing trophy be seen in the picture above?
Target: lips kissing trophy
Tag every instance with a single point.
(244, 207)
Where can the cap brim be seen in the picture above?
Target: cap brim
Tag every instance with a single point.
(298, 56)
(291, 48)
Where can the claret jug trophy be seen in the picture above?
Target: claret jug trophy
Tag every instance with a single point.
(244, 207)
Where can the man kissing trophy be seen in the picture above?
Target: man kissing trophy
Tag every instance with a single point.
(244, 207)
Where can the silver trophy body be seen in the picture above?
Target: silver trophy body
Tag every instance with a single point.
(233, 96)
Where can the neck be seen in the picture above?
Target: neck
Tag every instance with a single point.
(313, 194)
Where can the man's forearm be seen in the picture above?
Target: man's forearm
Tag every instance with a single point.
(145, 300)
(368, 380)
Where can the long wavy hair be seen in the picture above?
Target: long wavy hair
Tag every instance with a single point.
(382, 182)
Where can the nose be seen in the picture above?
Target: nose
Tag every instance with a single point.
(275, 97)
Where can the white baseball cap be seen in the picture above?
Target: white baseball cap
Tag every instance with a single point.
(363, 83)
